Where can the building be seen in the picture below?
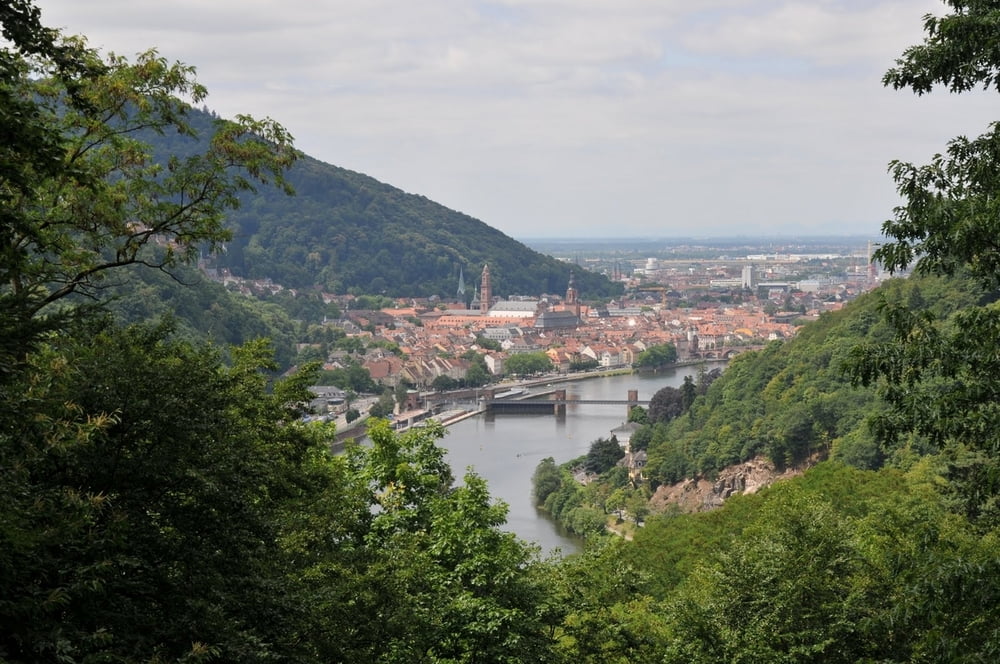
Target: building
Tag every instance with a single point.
(485, 290)
(572, 297)
(556, 320)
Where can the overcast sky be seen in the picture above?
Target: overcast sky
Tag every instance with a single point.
(575, 118)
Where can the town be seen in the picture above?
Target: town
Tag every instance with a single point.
(706, 308)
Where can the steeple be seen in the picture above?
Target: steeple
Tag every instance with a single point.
(486, 290)
(571, 296)
(461, 284)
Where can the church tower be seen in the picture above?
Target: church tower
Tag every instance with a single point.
(571, 298)
(485, 290)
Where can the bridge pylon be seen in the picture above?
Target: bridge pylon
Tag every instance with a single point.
(560, 408)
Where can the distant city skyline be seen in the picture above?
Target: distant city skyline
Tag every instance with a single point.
(576, 118)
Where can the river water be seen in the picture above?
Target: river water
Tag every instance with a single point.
(506, 449)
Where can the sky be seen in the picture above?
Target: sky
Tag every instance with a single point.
(576, 118)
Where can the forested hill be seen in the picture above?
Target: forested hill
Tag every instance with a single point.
(347, 232)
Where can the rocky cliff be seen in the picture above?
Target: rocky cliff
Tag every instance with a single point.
(700, 495)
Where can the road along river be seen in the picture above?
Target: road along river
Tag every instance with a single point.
(506, 449)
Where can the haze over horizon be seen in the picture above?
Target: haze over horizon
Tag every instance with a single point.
(576, 118)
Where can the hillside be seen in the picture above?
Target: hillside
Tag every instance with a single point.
(162, 502)
(795, 400)
(346, 232)
(770, 415)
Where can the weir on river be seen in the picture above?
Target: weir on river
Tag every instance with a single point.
(552, 402)
(505, 450)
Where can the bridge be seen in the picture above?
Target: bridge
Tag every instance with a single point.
(554, 404)
(720, 352)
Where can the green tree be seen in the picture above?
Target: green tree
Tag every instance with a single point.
(353, 377)
(781, 593)
(637, 504)
(139, 517)
(546, 480)
(688, 392)
(638, 415)
(350, 344)
(607, 614)
(640, 439)
(526, 364)
(616, 501)
(939, 375)
(604, 453)
(436, 579)
(168, 484)
(477, 375)
(384, 406)
(583, 365)
(489, 344)
(666, 404)
(399, 393)
(110, 201)
(838, 565)
(586, 521)
(35, 149)
(160, 504)
(658, 355)
(443, 383)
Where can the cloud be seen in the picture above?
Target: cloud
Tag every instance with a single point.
(556, 117)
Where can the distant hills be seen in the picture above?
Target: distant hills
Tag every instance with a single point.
(347, 232)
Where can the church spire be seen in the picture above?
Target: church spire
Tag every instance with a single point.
(571, 296)
(486, 290)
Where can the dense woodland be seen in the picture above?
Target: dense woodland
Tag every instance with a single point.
(161, 498)
(345, 232)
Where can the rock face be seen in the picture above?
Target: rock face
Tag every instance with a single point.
(700, 495)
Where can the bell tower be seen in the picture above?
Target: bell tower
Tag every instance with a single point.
(571, 296)
(485, 290)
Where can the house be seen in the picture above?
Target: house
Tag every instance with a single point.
(623, 433)
(636, 464)
(494, 362)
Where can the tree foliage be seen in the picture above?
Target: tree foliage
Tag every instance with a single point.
(638, 415)
(439, 579)
(793, 399)
(347, 232)
(603, 454)
(163, 500)
(526, 364)
(667, 403)
(108, 202)
(655, 356)
(545, 481)
(938, 372)
(178, 482)
(903, 562)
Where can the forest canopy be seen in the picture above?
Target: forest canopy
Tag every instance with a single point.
(163, 499)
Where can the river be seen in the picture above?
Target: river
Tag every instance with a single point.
(506, 449)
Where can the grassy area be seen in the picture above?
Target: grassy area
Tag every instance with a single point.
(621, 527)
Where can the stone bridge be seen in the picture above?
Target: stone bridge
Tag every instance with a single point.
(720, 353)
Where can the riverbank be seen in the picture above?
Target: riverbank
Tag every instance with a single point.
(357, 428)
(505, 450)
